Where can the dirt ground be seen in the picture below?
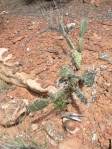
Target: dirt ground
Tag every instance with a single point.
(44, 52)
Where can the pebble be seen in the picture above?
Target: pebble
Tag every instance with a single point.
(34, 127)
(94, 137)
(60, 38)
(103, 67)
(28, 49)
(71, 126)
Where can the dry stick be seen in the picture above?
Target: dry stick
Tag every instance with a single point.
(69, 41)
(103, 23)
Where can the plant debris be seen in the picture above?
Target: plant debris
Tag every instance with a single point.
(53, 133)
(72, 116)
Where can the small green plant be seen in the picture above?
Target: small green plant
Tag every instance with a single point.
(89, 77)
(83, 29)
(60, 100)
(38, 105)
(73, 84)
(76, 51)
(76, 59)
(65, 72)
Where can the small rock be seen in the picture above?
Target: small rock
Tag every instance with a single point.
(103, 67)
(94, 137)
(34, 127)
(13, 108)
(107, 84)
(70, 26)
(26, 101)
(31, 114)
(71, 126)
(28, 49)
(30, 28)
(33, 22)
(11, 97)
(60, 38)
(66, 14)
(4, 106)
(104, 56)
(18, 39)
(2, 52)
(18, 64)
(3, 12)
